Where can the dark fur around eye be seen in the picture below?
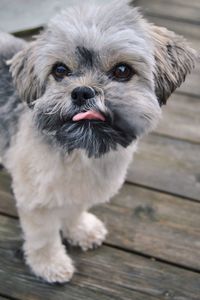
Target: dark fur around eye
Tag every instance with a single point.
(121, 72)
(60, 71)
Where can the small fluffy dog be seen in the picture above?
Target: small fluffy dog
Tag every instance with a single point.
(73, 105)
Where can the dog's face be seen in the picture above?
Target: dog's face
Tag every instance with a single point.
(96, 77)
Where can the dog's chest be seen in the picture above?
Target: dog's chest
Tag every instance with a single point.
(85, 181)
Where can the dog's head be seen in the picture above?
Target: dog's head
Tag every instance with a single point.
(96, 77)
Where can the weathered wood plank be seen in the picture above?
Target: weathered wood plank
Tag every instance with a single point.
(191, 85)
(154, 224)
(7, 204)
(188, 30)
(168, 165)
(16, 281)
(106, 273)
(181, 118)
(176, 9)
(5, 183)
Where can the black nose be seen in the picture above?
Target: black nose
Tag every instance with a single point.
(81, 94)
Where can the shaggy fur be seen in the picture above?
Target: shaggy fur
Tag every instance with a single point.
(61, 167)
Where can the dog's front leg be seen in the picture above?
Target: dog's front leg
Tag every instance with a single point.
(43, 249)
(87, 231)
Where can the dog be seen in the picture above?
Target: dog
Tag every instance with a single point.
(73, 105)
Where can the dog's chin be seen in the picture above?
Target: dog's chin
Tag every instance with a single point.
(94, 136)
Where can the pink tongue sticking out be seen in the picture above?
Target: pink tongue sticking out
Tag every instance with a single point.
(89, 115)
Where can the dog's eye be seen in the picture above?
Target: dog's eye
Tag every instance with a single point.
(59, 71)
(122, 72)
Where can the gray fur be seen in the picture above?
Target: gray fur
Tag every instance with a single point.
(174, 60)
(24, 74)
(86, 56)
(10, 105)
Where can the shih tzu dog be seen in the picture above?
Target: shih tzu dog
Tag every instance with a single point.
(73, 105)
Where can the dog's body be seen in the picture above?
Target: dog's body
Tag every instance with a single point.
(86, 90)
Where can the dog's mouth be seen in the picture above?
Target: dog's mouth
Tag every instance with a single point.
(89, 115)
(89, 128)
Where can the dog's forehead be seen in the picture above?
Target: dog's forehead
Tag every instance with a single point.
(90, 29)
(96, 36)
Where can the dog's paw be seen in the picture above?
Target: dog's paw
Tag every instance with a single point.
(89, 233)
(52, 269)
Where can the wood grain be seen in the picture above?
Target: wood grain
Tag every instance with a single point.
(181, 118)
(188, 29)
(191, 85)
(154, 224)
(102, 274)
(168, 165)
(180, 10)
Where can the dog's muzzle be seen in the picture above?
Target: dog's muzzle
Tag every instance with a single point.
(84, 126)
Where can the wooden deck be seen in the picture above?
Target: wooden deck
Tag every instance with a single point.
(153, 250)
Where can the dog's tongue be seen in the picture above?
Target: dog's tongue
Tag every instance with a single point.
(89, 115)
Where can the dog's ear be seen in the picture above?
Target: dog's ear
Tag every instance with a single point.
(174, 60)
(24, 74)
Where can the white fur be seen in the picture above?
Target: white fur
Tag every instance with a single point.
(88, 233)
(54, 190)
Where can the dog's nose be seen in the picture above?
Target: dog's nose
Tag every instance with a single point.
(81, 94)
